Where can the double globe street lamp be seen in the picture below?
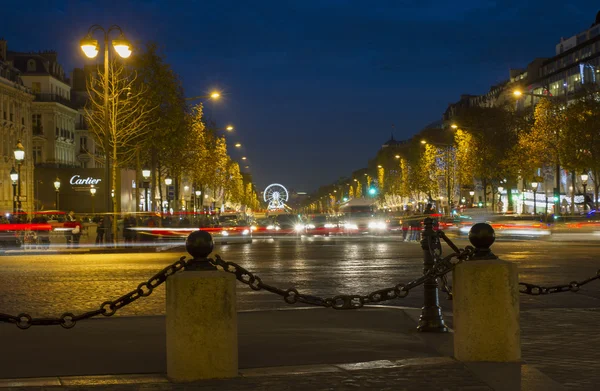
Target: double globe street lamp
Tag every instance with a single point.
(19, 153)
(90, 48)
(146, 174)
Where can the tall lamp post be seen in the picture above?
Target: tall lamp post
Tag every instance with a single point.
(57, 188)
(198, 194)
(584, 179)
(19, 157)
(534, 186)
(168, 182)
(90, 48)
(500, 190)
(93, 193)
(14, 177)
(146, 175)
(472, 194)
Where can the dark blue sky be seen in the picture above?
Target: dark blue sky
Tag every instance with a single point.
(314, 86)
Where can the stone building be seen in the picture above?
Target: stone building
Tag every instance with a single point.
(15, 125)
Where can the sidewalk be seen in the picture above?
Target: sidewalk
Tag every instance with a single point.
(307, 349)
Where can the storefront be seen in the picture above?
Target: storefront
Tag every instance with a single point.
(75, 191)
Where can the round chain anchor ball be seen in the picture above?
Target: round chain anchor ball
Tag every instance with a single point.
(482, 236)
(199, 244)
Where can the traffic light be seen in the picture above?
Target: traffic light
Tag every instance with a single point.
(372, 191)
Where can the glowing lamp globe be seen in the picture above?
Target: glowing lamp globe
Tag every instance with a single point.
(89, 47)
(122, 47)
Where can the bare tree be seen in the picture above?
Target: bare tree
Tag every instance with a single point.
(129, 119)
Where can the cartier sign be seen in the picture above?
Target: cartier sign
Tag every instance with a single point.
(78, 180)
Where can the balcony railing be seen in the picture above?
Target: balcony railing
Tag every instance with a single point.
(39, 97)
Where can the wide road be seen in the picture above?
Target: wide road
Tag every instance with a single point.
(49, 285)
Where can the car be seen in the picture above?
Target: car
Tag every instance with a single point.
(322, 225)
(232, 228)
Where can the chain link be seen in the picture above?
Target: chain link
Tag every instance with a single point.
(108, 308)
(573, 286)
(343, 302)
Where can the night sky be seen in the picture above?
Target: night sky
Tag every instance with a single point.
(313, 87)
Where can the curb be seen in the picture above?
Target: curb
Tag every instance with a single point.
(98, 380)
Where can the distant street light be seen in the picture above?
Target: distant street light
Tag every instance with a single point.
(14, 177)
(238, 145)
(454, 126)
(93, 193)
(229, 128)
(584, 179)
(244, 158)
(423, 141)
(19, 153)
(472, 194)
(168, 182)
(213, 95)
(57, 187)
(534, 186)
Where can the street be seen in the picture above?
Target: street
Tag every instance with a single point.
(49, 285)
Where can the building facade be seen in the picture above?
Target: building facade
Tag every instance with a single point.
(53, 115)
(15, 125)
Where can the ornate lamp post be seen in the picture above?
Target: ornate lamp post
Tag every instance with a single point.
(146, 175)
(168, 182)
(472, 194)
(19, 157)
(500, 190)
(90, 48)
(57, 187)
(198, 194)
(93, 193)
(584, 179)
(14, 177)
(534, 186)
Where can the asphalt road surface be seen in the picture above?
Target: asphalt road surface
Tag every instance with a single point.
(49, 285)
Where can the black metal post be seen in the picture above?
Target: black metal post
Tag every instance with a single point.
(534, 202)
(431, 319)
(57, 206)
(19, 187)
(14, 197)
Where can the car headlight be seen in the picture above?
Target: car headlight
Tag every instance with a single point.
(350, 226)
(329, 225)
(224, 233)
(245, 232)
(377, 225)
(253, 228)
(270, 227)
(299, 227)
(277, 228)
(310, 226)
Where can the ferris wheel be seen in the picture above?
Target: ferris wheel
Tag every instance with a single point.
(276, 196)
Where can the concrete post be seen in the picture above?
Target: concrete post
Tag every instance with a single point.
(486, 304)
(201, 318)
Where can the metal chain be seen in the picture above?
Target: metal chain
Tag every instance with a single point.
(573, 286)
(108, 308)
(340, 302)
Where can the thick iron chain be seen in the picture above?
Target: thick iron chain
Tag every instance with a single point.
(573, 286)
(339, 302)
(108, 308)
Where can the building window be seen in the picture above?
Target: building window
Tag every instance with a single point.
(36, 87)
(37, 154)
(31, 65)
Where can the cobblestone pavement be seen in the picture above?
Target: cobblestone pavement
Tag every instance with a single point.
(564, 344)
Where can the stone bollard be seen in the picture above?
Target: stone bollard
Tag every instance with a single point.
(201, 318)
(486, 304)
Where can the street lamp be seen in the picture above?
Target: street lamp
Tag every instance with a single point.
(19, 157)
(14, 177)
(500, 190)
(472, 194)
(57, 188)
(229, 128)
(213, 95)
(93, 193)
(454, 126)
(198, 194)
(584, 179)
(534, 186)
(238, 145)
(146, 174)
(90, 48)
(168, 182)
